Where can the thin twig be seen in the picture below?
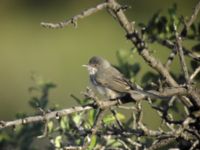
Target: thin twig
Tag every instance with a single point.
(171, 45)
(181, 55)
(138, 121)
(194, 145)
(74, 19)
(124, 144)
(194, 15)
(114, 112)
(170, 58)
(72, 148)
(161, 143)
(195, 73)
(127, 108)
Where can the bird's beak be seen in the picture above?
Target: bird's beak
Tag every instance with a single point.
(91, 69)
(87, 66)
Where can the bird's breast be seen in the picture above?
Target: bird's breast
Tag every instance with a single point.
(93, 80)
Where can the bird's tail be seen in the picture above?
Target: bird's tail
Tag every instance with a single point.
(138, 93)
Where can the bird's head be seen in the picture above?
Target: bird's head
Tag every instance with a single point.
(96, 63)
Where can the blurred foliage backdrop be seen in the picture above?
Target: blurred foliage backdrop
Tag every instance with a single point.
(57, 55)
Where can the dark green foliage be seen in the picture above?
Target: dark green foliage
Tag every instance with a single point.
(129, 69)
(22, 137)
(162, 26)
(196, 48)
(149, 77)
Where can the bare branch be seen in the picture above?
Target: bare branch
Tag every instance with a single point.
(193, 16)
(194, 145)
(169, 92)
(171, 45)
(53, 114)
(74, 19)
(181, 55)
(72, 148)
(162, 143)
(195, 73)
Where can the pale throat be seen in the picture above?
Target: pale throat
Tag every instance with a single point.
(92, 70)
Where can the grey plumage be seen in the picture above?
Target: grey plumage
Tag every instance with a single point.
(110, 82)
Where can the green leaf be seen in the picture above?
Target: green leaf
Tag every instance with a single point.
(4, 137)
(77, 118)
(110, 118)
(34, 102)
(122, 56)
(91, 116)
(113, 143)
(93, 142)
(64, 124)
(58, 141)
(149, 77)
(172, 11)
(50, 126)
(134, 50)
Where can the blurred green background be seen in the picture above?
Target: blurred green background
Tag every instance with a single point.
(57, 55)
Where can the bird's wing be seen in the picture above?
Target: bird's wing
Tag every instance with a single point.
(114, 80)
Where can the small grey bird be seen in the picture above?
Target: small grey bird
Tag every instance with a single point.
(108, 80)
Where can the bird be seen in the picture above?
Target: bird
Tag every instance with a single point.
(109, 81)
